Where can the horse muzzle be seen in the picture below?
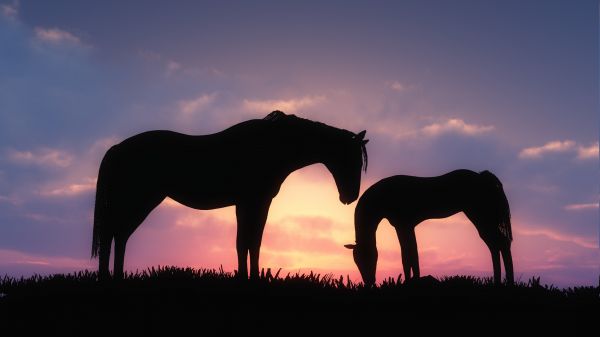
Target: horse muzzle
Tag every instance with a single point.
(346, 200)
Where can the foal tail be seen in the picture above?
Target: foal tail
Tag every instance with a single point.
(501, 203)
(101, 206)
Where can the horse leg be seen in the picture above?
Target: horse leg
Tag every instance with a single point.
(255, 243)
(132, 217)
(251, 217)
(104, 258)
(258, 219)
(120, 243)
(411, 241)
(241, 245)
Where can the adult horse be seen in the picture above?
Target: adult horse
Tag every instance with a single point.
(406, 201)
(243, 165)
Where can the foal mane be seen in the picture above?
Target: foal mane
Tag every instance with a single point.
(280, 116)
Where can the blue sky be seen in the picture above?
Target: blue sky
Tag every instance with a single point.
(508, 86)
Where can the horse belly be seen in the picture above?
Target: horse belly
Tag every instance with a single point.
(201, 198)
(204, 204)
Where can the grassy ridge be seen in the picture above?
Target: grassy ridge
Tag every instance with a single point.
(171, 300)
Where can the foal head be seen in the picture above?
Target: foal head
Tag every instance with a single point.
(365, 257)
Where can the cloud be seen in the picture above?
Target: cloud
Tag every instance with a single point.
(455, 125)
(189, 107)
(45, 218)
(10, 10)
(398, 86)
(72, 189)
(172, 67)
(11, 259)
(191, 218)
(46, 157)
(293, 105)
(149, 55)
(556, 146)
(581, 207)
(100, 146)
(9, 200)
(588, 152)
(585, 242)
(56, 36)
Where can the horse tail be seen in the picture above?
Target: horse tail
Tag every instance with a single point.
(101, 205)
(501, 203)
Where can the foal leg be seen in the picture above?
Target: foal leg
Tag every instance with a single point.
(508, 264)
(496, 264)
(408, 245)
(405, 260)
(488, 233)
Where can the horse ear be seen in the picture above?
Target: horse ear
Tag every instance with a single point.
(361, 135)
(350, 246)
(365, 141)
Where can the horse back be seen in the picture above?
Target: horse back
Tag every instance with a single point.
(204, 171)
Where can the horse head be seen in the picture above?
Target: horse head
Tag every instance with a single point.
(345, 163)
(365, 257)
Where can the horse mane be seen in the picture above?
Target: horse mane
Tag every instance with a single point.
(278, 116)
(502, 207)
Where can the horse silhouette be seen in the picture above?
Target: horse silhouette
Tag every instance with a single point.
(243, 165)
(406, 201)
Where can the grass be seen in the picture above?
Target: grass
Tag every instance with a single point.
(172, 298)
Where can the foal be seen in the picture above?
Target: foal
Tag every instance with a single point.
(406, 201)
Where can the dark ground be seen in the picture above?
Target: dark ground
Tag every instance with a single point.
(176, 301)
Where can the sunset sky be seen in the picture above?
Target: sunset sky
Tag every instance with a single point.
(506, 86)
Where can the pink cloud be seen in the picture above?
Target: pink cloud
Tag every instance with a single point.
(10, 10)
(581, 241)
(10, 257)
(292, 105)
(47, 157)
(399, 86)
(588, 152)
(558, 146)
(11, 200)
(198, 104)
(172, 67)
(100, 146)
(56, 35)
(582, 207)
(71, 189)
(455, 125)
(162, 239)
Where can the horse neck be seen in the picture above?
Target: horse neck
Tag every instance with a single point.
(306, 151)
